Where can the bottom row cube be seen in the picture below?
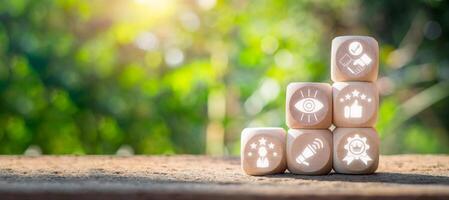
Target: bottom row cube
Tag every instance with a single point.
(312, 152)
(356, 150)
(309, 151)
(263, 151)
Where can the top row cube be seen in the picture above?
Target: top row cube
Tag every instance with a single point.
(354, 58)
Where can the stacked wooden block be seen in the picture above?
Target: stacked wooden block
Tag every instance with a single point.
(350, 104)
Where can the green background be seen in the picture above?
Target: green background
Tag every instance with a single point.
(186, 76)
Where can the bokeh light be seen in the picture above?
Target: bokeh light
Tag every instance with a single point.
(172, 76)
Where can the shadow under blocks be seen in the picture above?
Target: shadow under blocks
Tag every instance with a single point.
(379, 177)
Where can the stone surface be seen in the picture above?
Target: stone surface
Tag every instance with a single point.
(354, 58)
(355, 104)
(309, 151)
(263, 150)
(200, 177)
(309, 105)
(356, 150)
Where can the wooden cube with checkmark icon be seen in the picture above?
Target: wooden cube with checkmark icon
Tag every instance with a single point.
(354, 58)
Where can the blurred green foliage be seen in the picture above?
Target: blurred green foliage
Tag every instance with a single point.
(172, 76)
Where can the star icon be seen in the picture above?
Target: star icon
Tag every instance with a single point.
(363, 96)
(253, 146)
(262, 141)
(348, 97)
(271, 146)
(355, 93)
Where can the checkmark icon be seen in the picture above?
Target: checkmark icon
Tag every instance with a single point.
(355, 48)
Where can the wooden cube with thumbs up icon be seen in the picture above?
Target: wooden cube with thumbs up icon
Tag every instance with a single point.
(355, 104)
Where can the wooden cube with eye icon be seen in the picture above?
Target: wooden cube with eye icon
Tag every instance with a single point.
(309, 105)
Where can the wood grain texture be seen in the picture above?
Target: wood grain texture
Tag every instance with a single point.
(200, 177)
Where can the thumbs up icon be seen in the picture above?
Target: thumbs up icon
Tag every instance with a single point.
(353, 111)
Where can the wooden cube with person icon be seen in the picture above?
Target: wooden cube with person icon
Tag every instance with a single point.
(263, 150)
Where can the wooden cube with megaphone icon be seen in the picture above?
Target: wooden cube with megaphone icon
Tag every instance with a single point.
(309, 151)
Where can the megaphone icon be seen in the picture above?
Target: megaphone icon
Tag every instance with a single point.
(309, 151)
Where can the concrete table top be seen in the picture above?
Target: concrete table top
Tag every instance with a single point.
(200, 177)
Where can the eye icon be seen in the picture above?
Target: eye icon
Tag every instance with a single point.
(309, 105)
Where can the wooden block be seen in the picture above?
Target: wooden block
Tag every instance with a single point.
(263, 151)
(309, 151)
(355, 104)
(309, 105)
(356, 150)
(354, 58)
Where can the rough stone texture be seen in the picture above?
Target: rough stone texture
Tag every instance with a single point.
(197, 177)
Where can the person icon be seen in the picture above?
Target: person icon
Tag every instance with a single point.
(262, 161)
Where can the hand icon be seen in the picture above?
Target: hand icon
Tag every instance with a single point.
(362, 61)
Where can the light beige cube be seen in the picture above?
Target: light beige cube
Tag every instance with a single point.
(355, 104)
(354, 58)
(309, 105)
(356, 150)
(263, 151)
(309, 151)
